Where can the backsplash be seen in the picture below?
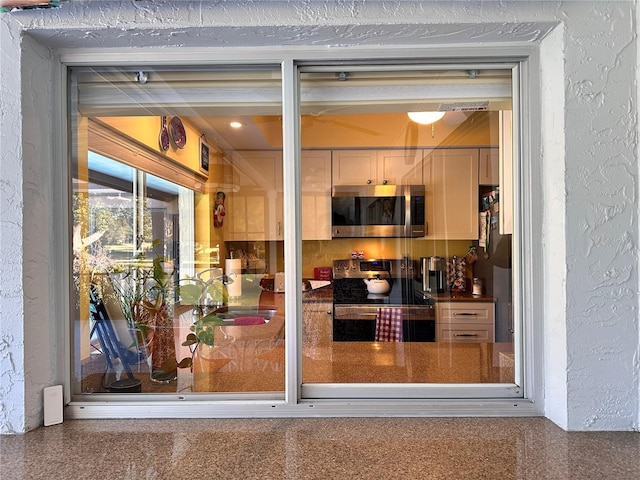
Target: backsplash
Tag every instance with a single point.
(318, 253)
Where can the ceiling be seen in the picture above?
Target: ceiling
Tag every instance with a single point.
(260, 132)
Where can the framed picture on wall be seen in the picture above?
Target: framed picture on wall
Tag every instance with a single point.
(204, 156)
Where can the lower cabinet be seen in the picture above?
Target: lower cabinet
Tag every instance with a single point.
(316, 328)
(471, 322)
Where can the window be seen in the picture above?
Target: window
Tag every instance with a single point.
(182, 274)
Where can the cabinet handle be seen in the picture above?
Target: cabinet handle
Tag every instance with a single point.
(464, 314)
(465, 334)
(369, 182)
(278, 228)
(384, 182)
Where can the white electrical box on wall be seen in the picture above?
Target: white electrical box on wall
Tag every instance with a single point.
(53, 403)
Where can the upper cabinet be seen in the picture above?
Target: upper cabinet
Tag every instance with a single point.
(399, 167)
(377, 167)
(255, 211)
(451, 183)
(354, 167)
(489, 167)
(316, 194)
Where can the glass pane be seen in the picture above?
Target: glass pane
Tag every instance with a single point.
(413, 286)
(178, 234)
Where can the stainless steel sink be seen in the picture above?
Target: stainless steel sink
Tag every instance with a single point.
(230, 313)
(271, 330)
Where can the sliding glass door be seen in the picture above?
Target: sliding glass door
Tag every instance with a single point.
(403, 280)
(410, 311)
(178, 232)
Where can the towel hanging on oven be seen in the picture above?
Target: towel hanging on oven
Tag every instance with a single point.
(389, 325)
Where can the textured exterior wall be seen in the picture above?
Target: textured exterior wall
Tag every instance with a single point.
(588, 212)
(602, 214)
(12, 414)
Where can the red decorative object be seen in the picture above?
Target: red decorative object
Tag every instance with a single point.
(218, 209)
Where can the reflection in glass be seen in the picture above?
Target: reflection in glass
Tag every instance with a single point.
(439, 335)
(174, 263)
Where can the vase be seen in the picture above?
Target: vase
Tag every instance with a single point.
(160, 340)
(161, 350)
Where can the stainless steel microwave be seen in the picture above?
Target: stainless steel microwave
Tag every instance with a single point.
(378, 211)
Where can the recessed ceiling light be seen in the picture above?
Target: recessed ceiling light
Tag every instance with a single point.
(235, 124)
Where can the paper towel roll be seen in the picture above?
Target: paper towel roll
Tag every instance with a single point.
(234, 266)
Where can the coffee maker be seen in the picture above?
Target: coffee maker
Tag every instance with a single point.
(433, 274)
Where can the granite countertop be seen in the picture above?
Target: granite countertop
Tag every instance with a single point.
(318, 295)
(325, 294)
(462, 297)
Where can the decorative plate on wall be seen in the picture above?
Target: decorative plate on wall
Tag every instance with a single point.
(163, 139)
(178, 133)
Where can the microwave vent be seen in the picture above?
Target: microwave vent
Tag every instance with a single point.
(464, 106)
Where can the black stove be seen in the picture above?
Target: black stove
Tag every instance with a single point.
(355, 309)
(350, 288)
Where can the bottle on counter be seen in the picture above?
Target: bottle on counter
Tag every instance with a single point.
(477, 286)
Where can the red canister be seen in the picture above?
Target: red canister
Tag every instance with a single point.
(322, 273)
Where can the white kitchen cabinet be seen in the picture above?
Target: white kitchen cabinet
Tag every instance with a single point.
(377, 167)
(470, 322)
(354, 167)
(489, 167)
(399, 167)
(451, 191)
(316, 194)
(255, 211)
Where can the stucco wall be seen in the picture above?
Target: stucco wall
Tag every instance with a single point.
(588, 213)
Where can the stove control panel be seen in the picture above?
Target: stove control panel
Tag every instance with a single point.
(354, 268)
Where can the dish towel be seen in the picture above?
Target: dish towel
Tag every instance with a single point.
(389, 325)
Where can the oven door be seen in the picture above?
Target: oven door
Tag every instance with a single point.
(357, 323)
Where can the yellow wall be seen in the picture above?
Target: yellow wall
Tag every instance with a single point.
(146, 130)
(321, 253)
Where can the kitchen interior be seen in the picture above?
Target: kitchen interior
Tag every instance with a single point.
(406, 228)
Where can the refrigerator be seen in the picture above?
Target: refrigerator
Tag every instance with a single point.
(494, 262)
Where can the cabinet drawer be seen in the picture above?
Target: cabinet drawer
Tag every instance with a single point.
(465, 333)
(468, 312)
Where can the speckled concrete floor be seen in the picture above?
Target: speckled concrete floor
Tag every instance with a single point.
(349, 448)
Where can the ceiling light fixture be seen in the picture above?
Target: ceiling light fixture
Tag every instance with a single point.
(235, 124)
(425, 118)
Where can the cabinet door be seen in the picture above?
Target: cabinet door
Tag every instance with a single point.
(317, 328)
(256, 209)
(489, 167)
(451, 184)
(354, 167)
(316, 194)
(399, 167)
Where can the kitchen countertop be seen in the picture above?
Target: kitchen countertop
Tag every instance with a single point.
(319, 295)
(462, 297)
(325, 294)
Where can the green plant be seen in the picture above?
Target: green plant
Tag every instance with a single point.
(199, 293)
